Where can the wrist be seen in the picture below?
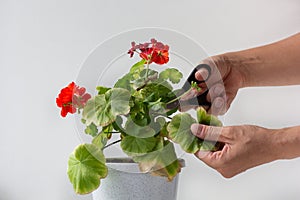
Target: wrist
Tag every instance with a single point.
(287, 142)
(247, 63)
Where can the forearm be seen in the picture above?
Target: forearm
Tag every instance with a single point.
(287, 143)
(275, 64)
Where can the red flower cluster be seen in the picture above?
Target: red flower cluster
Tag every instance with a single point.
(72, 98)
(153, 51)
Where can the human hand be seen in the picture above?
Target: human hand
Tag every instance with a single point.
(244, 147)
(223, 82)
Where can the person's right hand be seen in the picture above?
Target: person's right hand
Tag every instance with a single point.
(225, 80)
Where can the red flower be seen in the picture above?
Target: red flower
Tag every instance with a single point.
(146, 54)
(152, 52)
(160, 57)
(72, 98)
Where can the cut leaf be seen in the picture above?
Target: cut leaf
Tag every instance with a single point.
(86, 167)
(180, 132)
(103, 109)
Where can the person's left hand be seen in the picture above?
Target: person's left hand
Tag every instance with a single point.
(245, 147)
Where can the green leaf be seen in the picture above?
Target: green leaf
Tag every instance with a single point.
(91, 130)
(117, 124)
(138, 139)
(136, 69)
(163, 124)
(134, 79)
(101, 139)
(133, 145)
(158, 106)
(86, 167)
(103, 109)
(161, 161)
(209, 146)
(180, 132)
(102, 90)
(136, 130)
(143, 79)
(195, 86)
(139, 111)
(172, 74)
(124, 82)
(158, 90)
(204, 118)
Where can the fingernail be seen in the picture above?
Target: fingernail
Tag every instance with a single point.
(202, 154)
(196, 129)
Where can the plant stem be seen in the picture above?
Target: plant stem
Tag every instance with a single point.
(115, 142)
(154, 77)
(177, 98)
(148, 63)
(147, 69)
(112, 132)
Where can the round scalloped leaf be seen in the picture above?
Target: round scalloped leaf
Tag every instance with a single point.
(91, 130)
(172, 74)
(180, 132)
(86, 167)
(133, 145)
(103, 109)
(133, 129)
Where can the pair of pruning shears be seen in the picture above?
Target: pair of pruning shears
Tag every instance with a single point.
(200, 100)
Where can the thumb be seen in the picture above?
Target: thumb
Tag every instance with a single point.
(212, 133)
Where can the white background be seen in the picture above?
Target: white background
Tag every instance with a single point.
(42, 46)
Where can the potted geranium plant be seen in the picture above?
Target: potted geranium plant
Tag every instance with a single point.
(136, 108)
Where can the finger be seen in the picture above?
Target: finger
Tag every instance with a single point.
(216, 91)
(213, 159)
(218, 71)
(218, 106)
(203, 154)
(217, 109)
(184, 108)
(202, 74)
(211, 133)
(206, 157)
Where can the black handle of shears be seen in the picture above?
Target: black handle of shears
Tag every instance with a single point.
(200, 100)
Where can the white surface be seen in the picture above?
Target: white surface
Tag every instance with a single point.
(43, 43)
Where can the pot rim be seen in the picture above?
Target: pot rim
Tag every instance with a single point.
(127, 160)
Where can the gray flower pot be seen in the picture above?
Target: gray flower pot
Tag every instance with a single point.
(125, 182)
